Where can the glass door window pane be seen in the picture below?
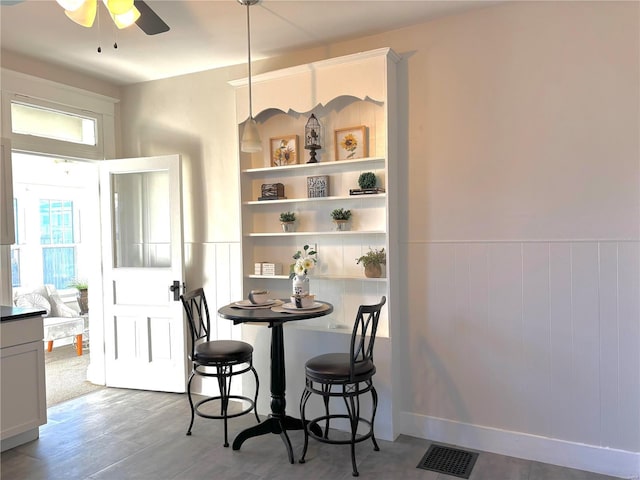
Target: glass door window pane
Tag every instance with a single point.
(142, 222)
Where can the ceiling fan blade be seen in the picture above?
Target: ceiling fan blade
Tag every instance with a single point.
(149, 22)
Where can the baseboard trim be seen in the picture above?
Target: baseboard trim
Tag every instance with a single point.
(607, 461)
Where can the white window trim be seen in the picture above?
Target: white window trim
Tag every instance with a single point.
(27, 89)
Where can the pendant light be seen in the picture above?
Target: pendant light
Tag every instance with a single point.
(250, 136)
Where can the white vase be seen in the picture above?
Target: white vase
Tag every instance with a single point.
(342, 225)
(288, 227)
(301, 285)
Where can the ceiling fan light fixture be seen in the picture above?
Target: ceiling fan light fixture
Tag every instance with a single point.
(119, 7)
(70, 5)
(126, 19)
(85, 15)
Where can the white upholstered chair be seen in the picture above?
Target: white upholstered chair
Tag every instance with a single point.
(62, 319)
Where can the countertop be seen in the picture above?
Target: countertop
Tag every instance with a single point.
(18, 313)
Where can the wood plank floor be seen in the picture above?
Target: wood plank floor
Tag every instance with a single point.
(128, 434)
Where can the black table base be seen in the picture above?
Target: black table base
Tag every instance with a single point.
(278, 422)
(273, 424)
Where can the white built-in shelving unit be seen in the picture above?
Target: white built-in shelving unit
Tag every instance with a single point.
(355, 90)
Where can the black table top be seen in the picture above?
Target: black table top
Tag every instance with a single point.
(266, 315)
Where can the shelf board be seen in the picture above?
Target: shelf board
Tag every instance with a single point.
(329, 232)
(322, 277)
(372, 197)
(320, 165)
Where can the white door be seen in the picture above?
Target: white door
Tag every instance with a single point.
(141, 200)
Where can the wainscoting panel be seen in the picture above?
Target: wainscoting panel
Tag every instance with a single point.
(536, 337)
(216, 267)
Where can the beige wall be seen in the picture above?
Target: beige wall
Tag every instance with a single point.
(519, 128)
(194, 116)
(520, 181)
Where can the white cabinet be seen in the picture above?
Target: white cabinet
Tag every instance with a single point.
(23, 397)
(356, 90)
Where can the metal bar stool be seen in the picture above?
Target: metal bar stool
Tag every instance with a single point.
(220, 359)
(348, 376)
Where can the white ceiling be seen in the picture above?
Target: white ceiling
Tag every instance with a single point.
(204, 34)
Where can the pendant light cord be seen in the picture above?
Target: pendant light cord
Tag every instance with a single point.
(249, 59)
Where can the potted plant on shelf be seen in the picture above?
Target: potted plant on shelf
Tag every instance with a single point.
(341, 216)
(372, 261)
(83, 296)
(367, 180)
(287, 220)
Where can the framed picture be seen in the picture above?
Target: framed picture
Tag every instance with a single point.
(284, 150)
(318, 186)
(351, 143)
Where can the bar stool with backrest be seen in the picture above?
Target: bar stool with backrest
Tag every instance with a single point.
(348, 376)
(220, 359)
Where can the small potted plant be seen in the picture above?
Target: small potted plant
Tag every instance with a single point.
(341, 216)
(83, 294)
(372, 261)
(287, 220)
(367, 180)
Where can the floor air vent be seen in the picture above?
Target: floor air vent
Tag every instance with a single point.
(450, 461)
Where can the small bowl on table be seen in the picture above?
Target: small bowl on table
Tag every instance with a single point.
(303, 301)
(259, 297)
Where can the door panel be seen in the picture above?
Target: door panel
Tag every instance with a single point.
(143, 255)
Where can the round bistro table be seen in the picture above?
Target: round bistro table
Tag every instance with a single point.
(278, 422)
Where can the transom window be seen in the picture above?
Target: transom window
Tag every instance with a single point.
(49, 123)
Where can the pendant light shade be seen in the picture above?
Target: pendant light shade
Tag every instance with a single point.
(251, 141)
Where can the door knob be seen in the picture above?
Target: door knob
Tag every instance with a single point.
(175, 288)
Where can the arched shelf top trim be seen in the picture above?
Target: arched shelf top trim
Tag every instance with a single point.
(302, 88)
(336, 103)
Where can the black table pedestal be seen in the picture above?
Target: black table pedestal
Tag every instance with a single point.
(278, 422)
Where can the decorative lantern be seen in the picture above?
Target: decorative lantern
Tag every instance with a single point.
(312, 135)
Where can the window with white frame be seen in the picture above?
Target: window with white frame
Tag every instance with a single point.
(28, 119)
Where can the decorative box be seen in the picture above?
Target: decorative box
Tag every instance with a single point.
(318, 186)
(271, 268)
(272, 191)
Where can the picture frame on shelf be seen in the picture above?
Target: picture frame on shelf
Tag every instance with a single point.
(318, 186)
(351, 143)
(284, 150)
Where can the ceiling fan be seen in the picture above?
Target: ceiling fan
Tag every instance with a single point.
(149, 22)
(123, 12)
